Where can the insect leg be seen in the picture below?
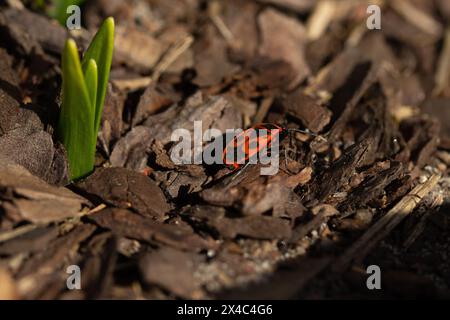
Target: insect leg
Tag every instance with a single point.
(240, 171)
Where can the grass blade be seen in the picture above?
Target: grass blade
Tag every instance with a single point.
(101, 50)
(75, 125)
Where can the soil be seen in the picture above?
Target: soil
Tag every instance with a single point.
(366, 183)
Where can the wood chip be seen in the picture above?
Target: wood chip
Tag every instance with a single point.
(173, 270)
(283, 38)
(376, 233)
(39, 202)
(127, 189)
(417, 17)
(8, 289)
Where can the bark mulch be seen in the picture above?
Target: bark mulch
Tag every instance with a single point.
(370, 188)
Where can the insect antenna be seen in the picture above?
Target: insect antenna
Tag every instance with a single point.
(302, 131)
(306, 132)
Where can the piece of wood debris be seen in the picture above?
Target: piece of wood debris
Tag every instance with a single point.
(356, 35)
(360, 248)
(320, 19)
(294, 5)
(214, 14)
(132, 84)
(97, 209)
(8, 235)
(7, 286)
(17, 4)
(176, 50)
(322, 213)
(442, 76)
(417, 17)
(263, 109)
(420, 226)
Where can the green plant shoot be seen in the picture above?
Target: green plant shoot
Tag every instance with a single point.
(84, 85)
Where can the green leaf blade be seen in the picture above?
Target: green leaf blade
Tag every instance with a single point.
(91, 80)
(101, 51)
(75, 125)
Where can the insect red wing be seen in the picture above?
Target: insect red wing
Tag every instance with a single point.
(252, 150)
(265, 140)
(232, 147)
(228, 148)
(276, 134)
(246, 145)
(238, 145)
(250, 145)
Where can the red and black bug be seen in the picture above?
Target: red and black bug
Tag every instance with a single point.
(250, 142)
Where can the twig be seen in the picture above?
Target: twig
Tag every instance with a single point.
(420, 226)
(417, 17)
(356, 35)
(8, 235)
(97, 209)
(385, 225)
(320, 19)
(323, 215)
(214, 15)
(176, 50)
(263, 109)
(442, 75)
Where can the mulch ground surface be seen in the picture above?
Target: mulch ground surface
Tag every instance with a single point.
(369, 186)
